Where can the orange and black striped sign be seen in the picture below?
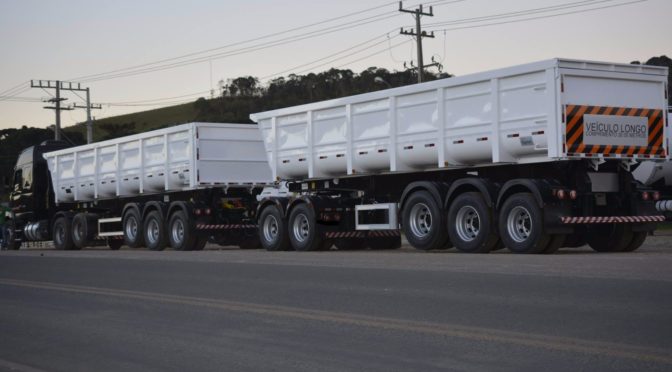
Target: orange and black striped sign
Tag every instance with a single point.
(574, 115)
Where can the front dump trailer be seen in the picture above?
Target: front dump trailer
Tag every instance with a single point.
(533, 158)
(176, 187)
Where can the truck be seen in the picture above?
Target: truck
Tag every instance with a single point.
(659, 176)
(532, 158)
(177, 187)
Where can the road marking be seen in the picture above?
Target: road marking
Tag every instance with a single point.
(555, 343)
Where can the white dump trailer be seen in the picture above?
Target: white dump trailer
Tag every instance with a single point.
(180, 158)
(177, 186)
(533, 157)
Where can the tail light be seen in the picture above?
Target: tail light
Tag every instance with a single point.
(197, 212)
(561, 194)
(573, 194)
(656, 195)
(646, 196)
(208, 211)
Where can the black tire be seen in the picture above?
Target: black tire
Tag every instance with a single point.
(181, 236)
(424, 221)
(155, 234)
(556, 242)
(471, 225)
(132, 227)
(302, 230)
(200, 244)
(84, 229)
(609, 238)
(521, 225)
(273, 230)
(115, 244)
(63, 234)
(351, 244)
(12, 243)
(387, 243)
(638, 239)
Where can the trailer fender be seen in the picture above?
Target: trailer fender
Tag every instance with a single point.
(180, 205)
(303, 199)
(162, 208)
(484, 186)
(280, 203)
(541, 190)
(436, 189)
(136, 206)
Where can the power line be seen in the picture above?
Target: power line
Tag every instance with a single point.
(238, 43)
(253, 48)
(540, 17)
(367, 42)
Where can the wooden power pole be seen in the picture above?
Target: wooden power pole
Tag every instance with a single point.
(418, 34)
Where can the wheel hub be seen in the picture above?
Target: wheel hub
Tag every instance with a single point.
(420, 220)
(270, 228)
(519, 224)
(468, 223)
(301, 228)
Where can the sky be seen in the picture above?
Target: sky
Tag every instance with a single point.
(72, 39)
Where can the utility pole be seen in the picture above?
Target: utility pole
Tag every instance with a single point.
(57, 85)
(418, 34)
(89, 106)
(60, 86)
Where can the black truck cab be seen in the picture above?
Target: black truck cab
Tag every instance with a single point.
(31, 185)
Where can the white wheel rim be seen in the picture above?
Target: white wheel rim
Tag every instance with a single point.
(301, 228)
(153, 231)
(270, 228)
(131, 228)
(519, 224)
(420, 220)
(177, 232)
(467, 223)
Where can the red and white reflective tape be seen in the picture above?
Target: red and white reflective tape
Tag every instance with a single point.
(611, 219)
(224, 227)
(362, 234)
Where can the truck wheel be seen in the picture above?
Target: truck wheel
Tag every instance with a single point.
(521, 225)
(180, 235)
(115, 244)
(423, 222)
(63, 234)
(272, 230)
(132, 225)
(609, 238)
(155, 232)
(84, 229)
(471, 225)
(303, 234)
(556, 242)
(637, 241)
(12, 243)
(200, 244)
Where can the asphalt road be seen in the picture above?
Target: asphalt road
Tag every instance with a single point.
(233, 310)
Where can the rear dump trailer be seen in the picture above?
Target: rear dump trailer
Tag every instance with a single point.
(174, 187)
(533, 158)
